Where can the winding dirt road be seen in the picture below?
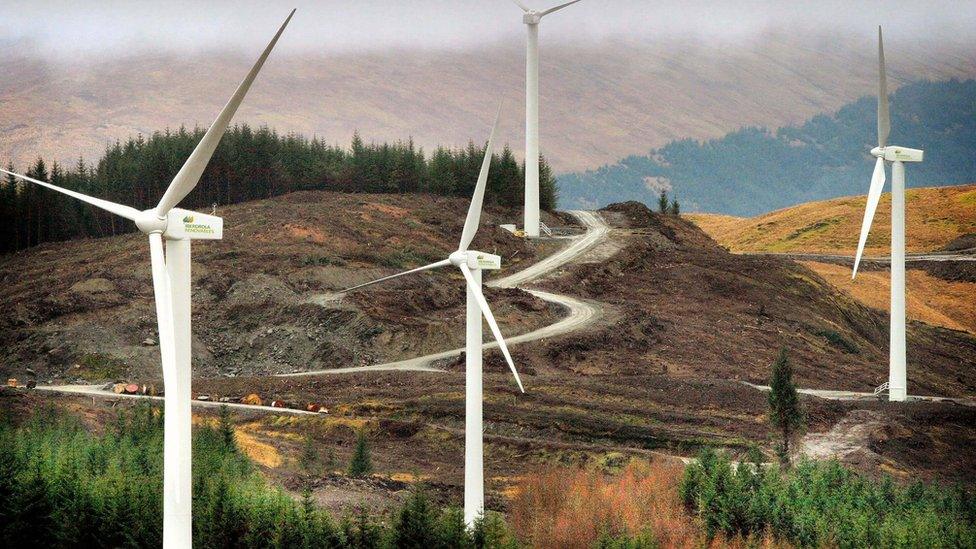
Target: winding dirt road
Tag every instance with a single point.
(580, 313)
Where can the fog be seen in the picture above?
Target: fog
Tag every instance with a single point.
(69, 29)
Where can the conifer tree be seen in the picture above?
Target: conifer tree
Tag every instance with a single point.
(662, 202)
(675, 207)
(309, 463)
(8, 212)
(785, 414)
(225, 427)
(548, 190)
(415, 524)
(361, 465)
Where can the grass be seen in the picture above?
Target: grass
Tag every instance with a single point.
(929, 299)
(934, 217)
(99, 367)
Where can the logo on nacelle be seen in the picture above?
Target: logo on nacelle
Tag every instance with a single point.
(193, 225)
(488, 261)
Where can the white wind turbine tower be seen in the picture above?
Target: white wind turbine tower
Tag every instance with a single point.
(171, 288)
(531, 18)
(897, 379)
(471, 263)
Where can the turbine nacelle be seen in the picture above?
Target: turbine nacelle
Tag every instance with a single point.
(898, 154)
(533, 17)
(180, 224)
(476, 260)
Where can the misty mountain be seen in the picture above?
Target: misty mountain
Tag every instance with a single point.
(754, 169)
(600, 100)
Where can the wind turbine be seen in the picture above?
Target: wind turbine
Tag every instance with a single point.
(531, 18)
(897, 379)
(171, 288)
(471, 263)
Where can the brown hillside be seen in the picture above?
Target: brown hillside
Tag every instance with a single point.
(600, 101)
(693, 309)
(683, 319)
(932, 300)
(935, 216)
(262, 297)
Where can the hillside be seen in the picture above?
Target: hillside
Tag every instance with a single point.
(601, 100)
(83, 310)
(935, 216)
(754, 170)
(682, 321)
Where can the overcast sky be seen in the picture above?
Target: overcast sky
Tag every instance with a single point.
(111, 27)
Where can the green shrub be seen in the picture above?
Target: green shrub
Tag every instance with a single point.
(99, 367)
(838, 341)
(825, 504)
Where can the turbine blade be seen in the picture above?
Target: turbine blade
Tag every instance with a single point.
(474, 210)
(557, 8)
(442, 263)
(483, 305)
(874, 196)
(884, 121)
(164, 309)
(521, 5)
(127, 212)
(189, 174)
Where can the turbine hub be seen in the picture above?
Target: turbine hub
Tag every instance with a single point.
(531, 18)
(149, 223)
(458, 258)
(476, 260)
(877, 152)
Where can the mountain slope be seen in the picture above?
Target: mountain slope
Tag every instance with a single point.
(754, 170)
(691, 309)
(935, 216)
(601, 101)
(263, 296)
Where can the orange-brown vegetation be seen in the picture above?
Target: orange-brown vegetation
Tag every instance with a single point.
(934, 217)
(929, 298)
(574, 507)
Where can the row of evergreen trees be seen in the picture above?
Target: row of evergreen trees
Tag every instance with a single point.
(247, 165)
(61, 486)
(823, 504)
